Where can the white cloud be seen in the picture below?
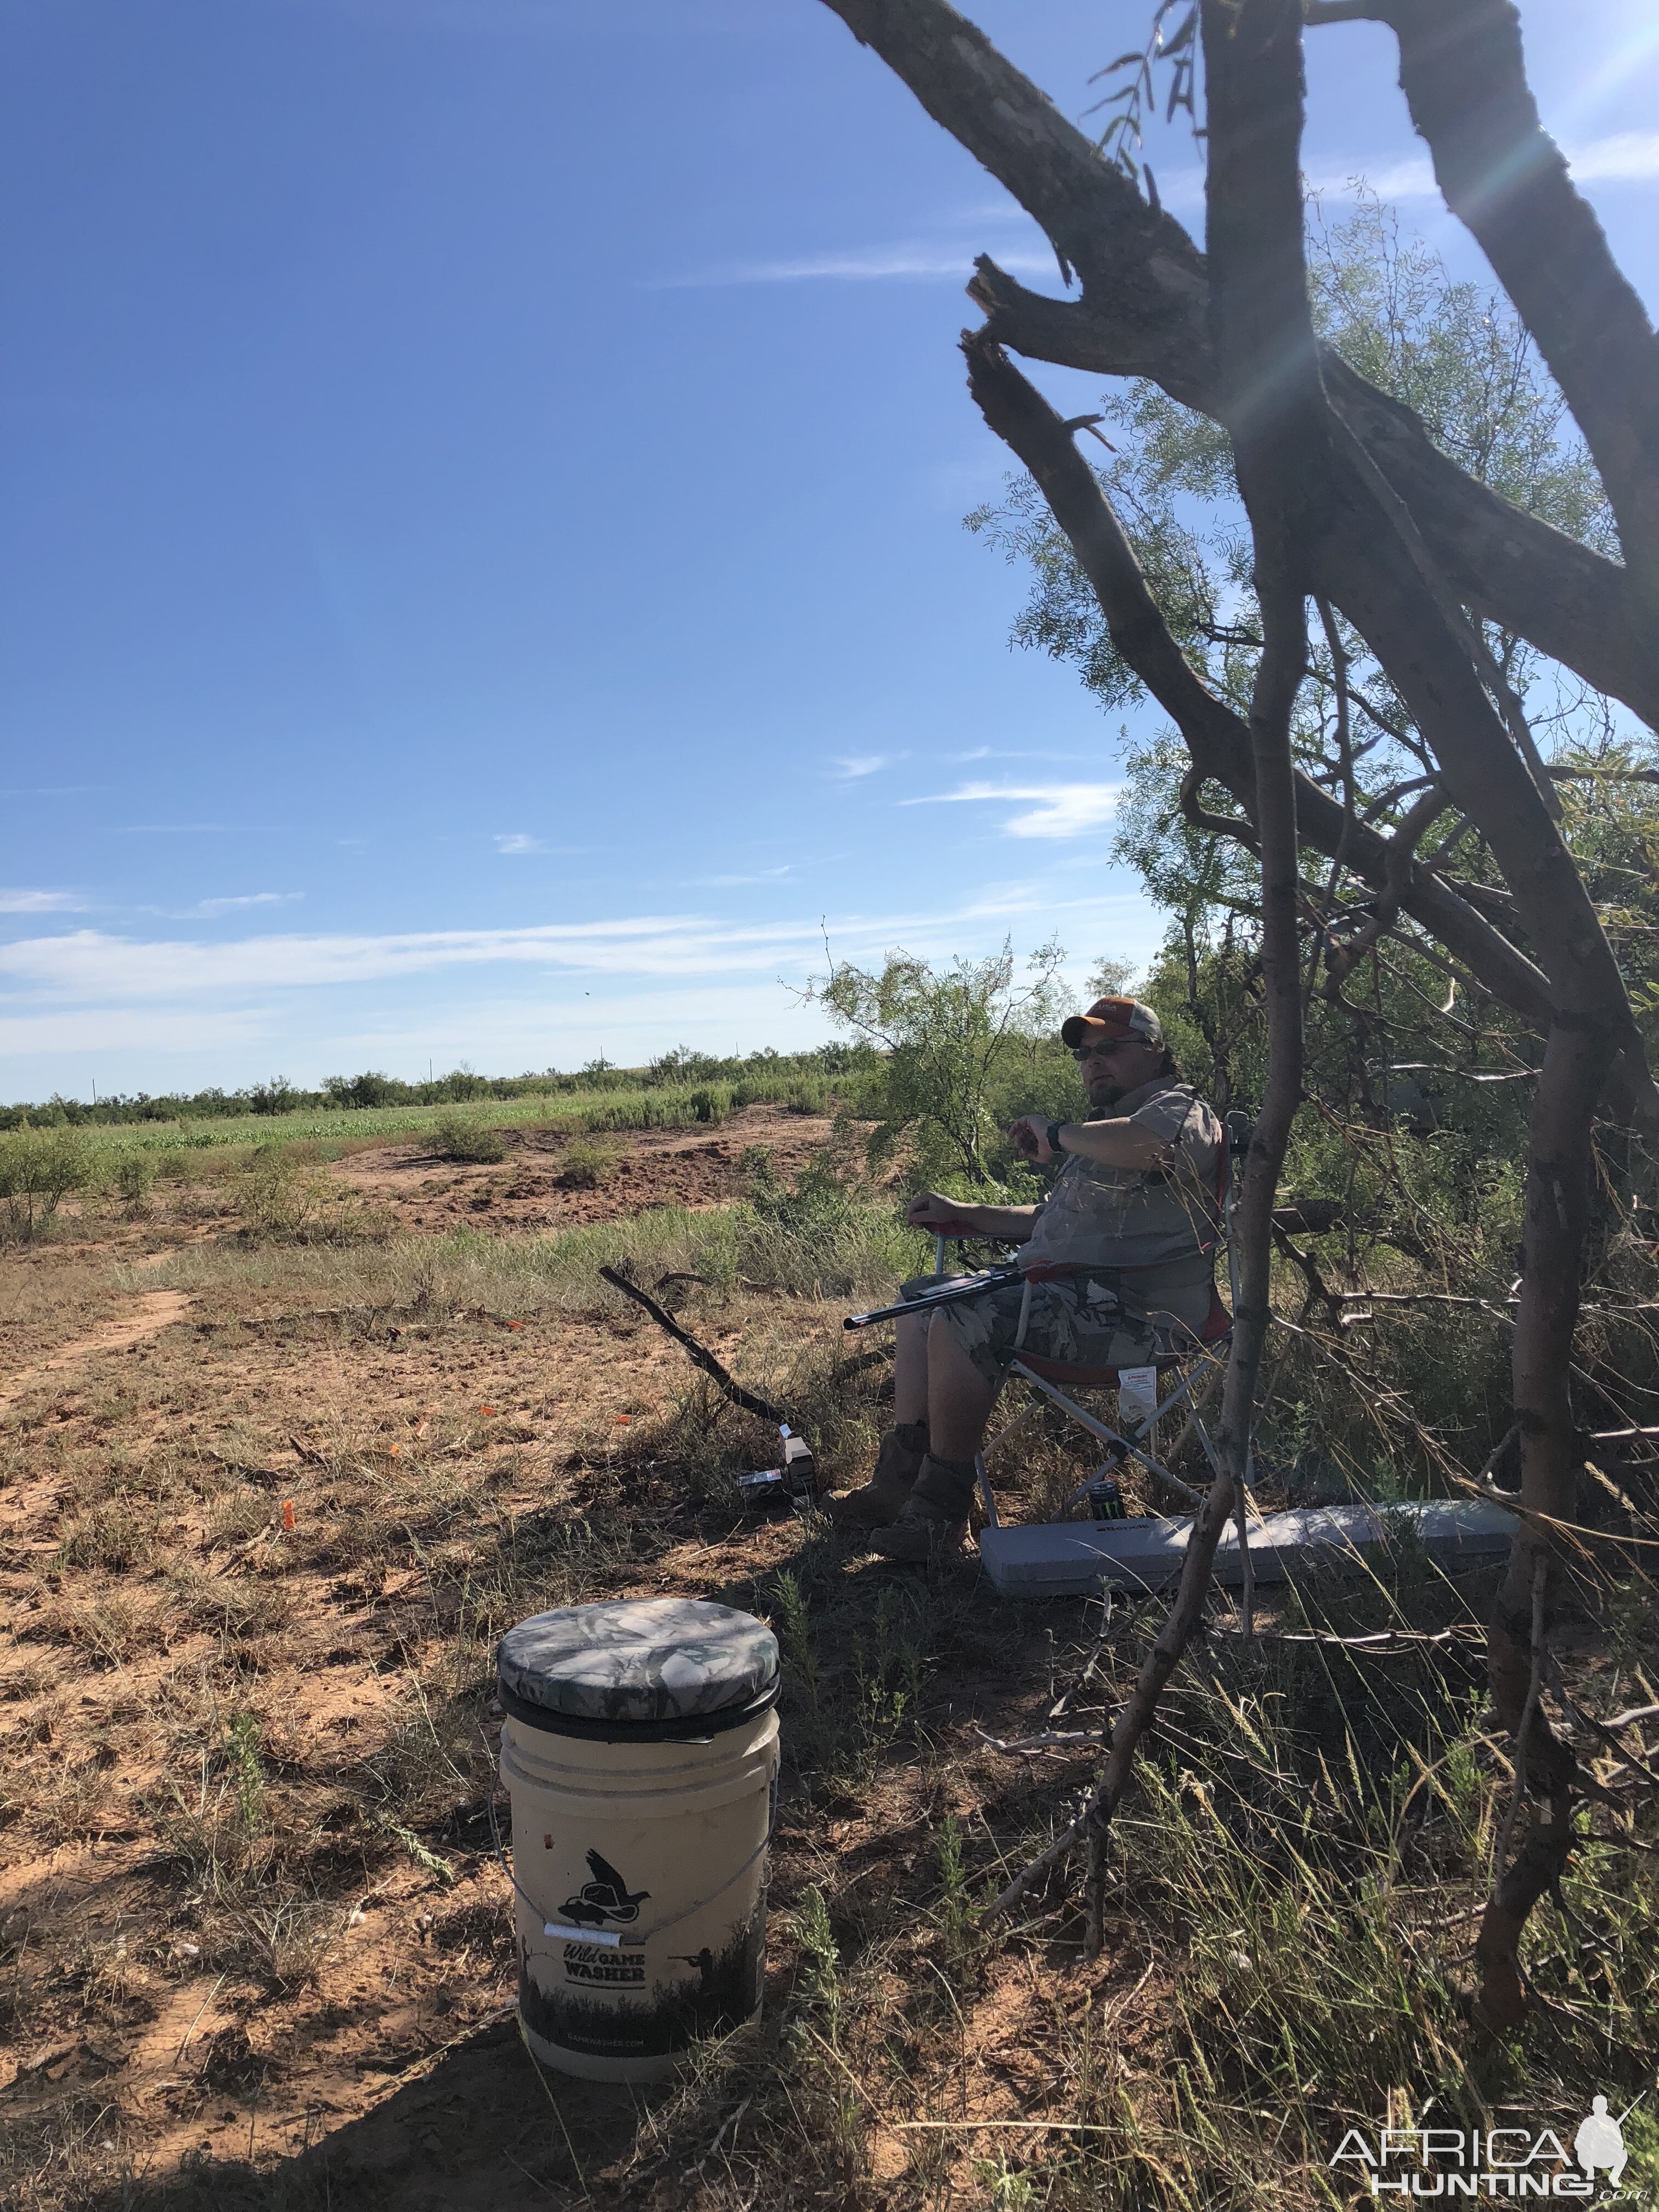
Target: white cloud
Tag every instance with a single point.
(40, 902)
(207, 909)
(1064, 810)
(515, 842)
(89, 967)
(849, 767)
(1013, 753)
(862, 265)
(84, 964)
(144, 1015)
(1410, 179)
(1623, 156)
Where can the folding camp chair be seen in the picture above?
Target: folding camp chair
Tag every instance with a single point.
(1062, 1557)
(1194, 1369)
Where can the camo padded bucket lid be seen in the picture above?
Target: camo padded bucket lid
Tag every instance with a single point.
(632, 1662)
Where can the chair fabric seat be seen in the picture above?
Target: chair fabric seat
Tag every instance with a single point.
(1218, 1327)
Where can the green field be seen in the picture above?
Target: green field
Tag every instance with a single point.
(659, 1106)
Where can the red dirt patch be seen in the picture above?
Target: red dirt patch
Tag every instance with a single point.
(696, 1166)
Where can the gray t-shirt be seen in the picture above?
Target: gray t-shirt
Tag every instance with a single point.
(1158, 1225)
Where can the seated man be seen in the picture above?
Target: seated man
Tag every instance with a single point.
(1130, 1223)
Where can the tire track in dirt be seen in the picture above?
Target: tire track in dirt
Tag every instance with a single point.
(154, 1311)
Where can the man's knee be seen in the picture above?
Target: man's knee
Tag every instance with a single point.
(970, 1364)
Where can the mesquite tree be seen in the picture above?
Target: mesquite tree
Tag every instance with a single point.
(1352, 506)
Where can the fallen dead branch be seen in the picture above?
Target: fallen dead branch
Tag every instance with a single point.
(698, 1354)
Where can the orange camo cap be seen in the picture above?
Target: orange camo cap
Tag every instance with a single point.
(1108, 1019)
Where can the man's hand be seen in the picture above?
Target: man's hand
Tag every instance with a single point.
(1029, 1134)
(928, 1209)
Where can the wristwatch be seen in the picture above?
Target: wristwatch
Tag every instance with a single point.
(1053, 1135)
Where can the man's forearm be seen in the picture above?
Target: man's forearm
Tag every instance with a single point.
(1013, 1224)
(1119, 1143)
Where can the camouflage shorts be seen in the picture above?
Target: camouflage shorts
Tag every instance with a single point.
(1078, 1319)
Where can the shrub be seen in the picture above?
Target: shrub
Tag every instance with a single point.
(373, 1088)
(454, 1136)
(587, 1165)
(281, 1202)
(134, 1174)
(276, 1097)
(957, 1046)
(37, 1169)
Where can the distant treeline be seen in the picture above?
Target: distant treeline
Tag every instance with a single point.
(371, 1088)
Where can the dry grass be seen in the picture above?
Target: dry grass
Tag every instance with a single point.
(247, 1902)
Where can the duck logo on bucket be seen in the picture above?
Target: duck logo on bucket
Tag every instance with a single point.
(606, 1898)
(1491, 2162)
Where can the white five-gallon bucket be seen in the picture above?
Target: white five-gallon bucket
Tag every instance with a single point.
(639, 1750)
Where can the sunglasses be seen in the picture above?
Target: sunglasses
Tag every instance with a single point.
(1081, 1052)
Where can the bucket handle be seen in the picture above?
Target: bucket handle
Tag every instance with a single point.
(608, 1936)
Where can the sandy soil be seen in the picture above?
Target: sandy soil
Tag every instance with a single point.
(152, 1601)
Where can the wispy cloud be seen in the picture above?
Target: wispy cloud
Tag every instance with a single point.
(88, 967)
(925, 263)
(1014, 753)
(1062, 810)
(83, 964)
(40, 902)
(1623, 156)
(209, 909)
(516, 842)
(848, 768)
(1410, 179)
(1620, 157)
(126, 1008)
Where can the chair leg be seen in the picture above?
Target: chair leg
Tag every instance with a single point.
(1124, 1445)
(985, 1492)
(1203, 1436)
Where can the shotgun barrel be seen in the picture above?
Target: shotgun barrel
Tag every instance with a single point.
(949, 1294)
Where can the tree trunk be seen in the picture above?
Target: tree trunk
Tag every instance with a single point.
(1348, 498)
(1560, 1164)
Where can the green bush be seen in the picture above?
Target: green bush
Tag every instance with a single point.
(961, 1051)
(134, 1174)
(281, 1201)
(39, 1168)
(587, 1165)
(456, 1137)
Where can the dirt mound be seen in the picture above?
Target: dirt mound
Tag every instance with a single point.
(529, 1189)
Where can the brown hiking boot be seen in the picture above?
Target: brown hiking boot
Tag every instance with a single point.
(898, 1463)
(922, 1532)
(934, 1517)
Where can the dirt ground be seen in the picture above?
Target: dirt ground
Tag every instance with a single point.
(256, 1945)
(530, 1188)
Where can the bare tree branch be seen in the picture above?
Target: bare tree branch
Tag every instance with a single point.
(1218, 738)
(1505, 565)
(1462, 73)
(1144, 313)
(1122, 249)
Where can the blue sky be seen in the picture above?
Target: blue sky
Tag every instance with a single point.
(482, 572)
